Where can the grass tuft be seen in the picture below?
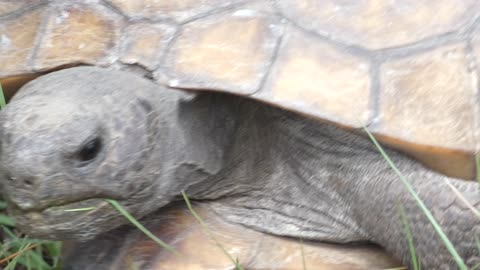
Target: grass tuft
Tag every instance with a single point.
(21, 253)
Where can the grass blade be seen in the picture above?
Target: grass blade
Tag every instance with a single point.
(5, 220)
(210, 234)
(477, 166)
(3, 103)
(463, 199)
(302, 251)
(411, 246)
(423, 207)
(130, 218)
(80, 209)
(477, 241)
(3, 205)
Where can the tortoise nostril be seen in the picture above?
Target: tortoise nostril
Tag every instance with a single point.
(28, 182)
(11, 178)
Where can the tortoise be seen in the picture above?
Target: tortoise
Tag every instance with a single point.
(254, 109)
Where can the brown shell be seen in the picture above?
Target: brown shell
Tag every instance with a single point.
(127, 248)
(406, 69)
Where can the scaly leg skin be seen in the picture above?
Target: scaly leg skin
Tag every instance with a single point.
(455, 218)
(316, 181)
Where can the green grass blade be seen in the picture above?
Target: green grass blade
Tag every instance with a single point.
(423, 207)
(29, 263)
(53, 250)
(477, 166)
(33, 258)
(80, 209)
(3, 103)
(209, 232)
(302, 251)
(3, 205)
(462, 199)
(5, 220)
(8, 232)
(411, 246)
(477, 241)
(132, 220)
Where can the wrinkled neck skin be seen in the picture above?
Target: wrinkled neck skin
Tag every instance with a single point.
(280, 173)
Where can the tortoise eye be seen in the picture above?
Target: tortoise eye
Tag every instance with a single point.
(90, 150)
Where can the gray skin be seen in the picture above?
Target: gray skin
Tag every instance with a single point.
(258, 166)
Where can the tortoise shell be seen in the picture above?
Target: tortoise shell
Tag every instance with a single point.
(406, 69)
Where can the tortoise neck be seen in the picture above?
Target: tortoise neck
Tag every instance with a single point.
(203, 129)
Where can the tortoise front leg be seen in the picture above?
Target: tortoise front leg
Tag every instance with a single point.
(380, 193)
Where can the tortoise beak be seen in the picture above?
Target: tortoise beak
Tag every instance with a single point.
(60, 222)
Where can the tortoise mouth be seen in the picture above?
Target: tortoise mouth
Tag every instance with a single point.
(79, 206)
(73, 220)
(66, 211)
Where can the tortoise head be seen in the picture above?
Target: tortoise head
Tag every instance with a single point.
(73, 138)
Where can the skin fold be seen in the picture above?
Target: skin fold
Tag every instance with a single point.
(72, 138)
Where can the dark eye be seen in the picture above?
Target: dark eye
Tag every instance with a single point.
(90, 150)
